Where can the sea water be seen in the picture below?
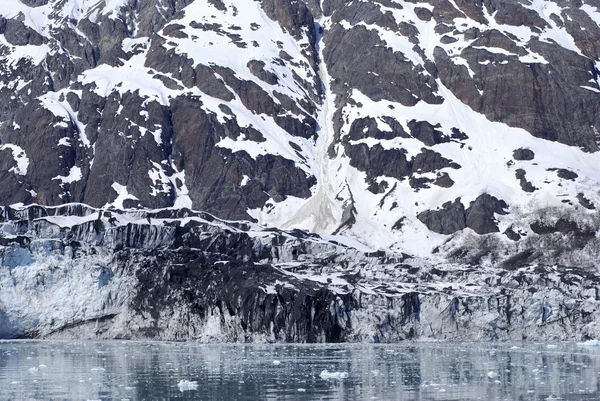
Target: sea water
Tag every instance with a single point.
(132, 370)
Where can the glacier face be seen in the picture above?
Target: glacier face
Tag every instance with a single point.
(437, 151)
(75, 271)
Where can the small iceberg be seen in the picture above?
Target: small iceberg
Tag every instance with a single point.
(187, 385)
(276, 362)
(327, 375)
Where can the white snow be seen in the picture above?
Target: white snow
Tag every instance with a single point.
(122, 195)
(327, 375)
(64, 110)
(34, 54)
(73, 176)
(20, 158)
(593, 12)
(187, 385)
(182, 198)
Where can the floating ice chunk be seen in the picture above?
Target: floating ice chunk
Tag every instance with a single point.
(98, 369)
(42, 366)
(276, 362)
(186, 385)
(302, 390)
(492, 375)
(33, 370)
(326, 375)
(551, 346)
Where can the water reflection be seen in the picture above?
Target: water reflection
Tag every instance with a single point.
(439, 371)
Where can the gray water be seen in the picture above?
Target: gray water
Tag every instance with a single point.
(82, 370)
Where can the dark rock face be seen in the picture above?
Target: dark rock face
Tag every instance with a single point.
(453, 216)
(564, 173)
(561, 226)
(377, 161)
(291, 315)
(448, 220)
(585, 202)
(426, 133)
(525, 185)
(523, 154)
(480, 214)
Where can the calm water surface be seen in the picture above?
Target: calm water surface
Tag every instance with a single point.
(81, 370)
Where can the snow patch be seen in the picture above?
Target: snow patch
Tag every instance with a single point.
(73, 176)
(122, 195)
(187, 385)
(20, 158)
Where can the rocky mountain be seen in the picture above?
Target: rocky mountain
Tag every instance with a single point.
(300, 171)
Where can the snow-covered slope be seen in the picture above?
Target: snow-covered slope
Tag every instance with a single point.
(456, 132)
(361, 118)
